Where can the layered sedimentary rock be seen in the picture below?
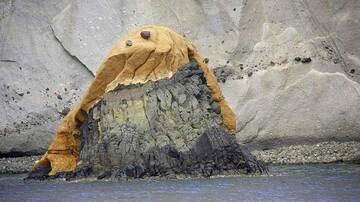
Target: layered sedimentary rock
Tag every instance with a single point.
(149, 54)
(170, 126)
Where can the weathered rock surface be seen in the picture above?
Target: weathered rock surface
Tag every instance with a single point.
(295, 104)
(50, 40)
(160, 128)
(155, 53)
(38, 77)
(296, 82)
(234, 33)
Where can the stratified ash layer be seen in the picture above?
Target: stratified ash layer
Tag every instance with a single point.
(167, 127)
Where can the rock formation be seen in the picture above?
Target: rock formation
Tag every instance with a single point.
(50, 51)
(167, 127)
(149, 54)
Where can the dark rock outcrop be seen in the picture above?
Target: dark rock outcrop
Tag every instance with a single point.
(160, 128)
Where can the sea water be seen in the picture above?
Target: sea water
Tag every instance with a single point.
(322, 182)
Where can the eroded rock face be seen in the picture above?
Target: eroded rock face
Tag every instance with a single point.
(159, 128)
(155, 53)
(38, 77)
(295, 104)
(66, 39)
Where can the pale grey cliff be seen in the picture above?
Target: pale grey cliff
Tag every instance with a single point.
(300, 62)
(39, 79)
(49, 51)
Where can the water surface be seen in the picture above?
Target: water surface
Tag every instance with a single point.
(331, 182)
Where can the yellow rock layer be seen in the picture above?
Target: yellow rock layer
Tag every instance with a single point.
(136, 59)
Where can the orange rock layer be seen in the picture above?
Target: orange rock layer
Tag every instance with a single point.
(149, 54)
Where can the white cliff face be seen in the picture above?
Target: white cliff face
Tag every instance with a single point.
(284, 101)
(38, 77)
(50, 50)
(89, 29)
(294, 104)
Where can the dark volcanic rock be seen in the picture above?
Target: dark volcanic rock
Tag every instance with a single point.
(160, 128)
(306, 60)
(41, 172)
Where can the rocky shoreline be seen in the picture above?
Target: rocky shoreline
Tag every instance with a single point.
(15, 165)
(325, 152)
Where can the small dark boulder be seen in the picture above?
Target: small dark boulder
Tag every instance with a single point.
(145, 34)
(306, 60)
(104, 174)
(297, 59)
(41, 172)
(129, 43)
(206, 60)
